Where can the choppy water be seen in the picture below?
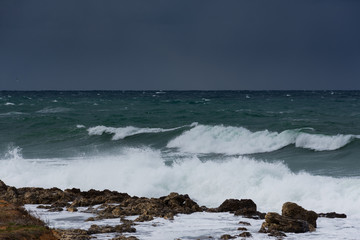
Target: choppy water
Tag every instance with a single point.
(271, 146)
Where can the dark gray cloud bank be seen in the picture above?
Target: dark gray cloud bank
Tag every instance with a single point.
(179, 45)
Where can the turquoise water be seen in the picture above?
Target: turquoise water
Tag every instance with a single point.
(47, 125)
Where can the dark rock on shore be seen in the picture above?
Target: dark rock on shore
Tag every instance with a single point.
(245, 234)
(332, 215)
(94, 229)
(72, 234)
(148, 208)
(243, 207)
(292, 210)
(227, 236)
(111, 204)
(58, 198)
(276, 222)
(294, 218)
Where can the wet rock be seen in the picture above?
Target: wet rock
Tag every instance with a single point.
(95, 229)
(242, 229)
(148, 208)
(3, 186)
(57, 209)
(243, 206)
(245, 234)
(332, 215)
(294, 211)
(275, 233)
(276, 222)
(181, 203)
(227, 236)
(72, 234)
(90, 219)
(125, 238)
(144, 218)
(244, 223)
(124, 228)
(43, 207)
(72, 209)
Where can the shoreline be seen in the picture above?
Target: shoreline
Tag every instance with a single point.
(105, 205)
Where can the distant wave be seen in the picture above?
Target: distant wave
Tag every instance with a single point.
(11, 113)
(238, 140)
(9, 104)
(123, 132)
(53, 110)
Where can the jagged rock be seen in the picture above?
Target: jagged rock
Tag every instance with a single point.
(292, 210)
(56, 209)
(94, 229)
(275, 233)
(245, 234)
(242, 229)
(227, 236)
(3, 186)
(71, 209)
(244, 223)
(181, 203)
(276, 222)
(332, 215)
(144, 218)
(242, 207)
(148, 208)
(72, 234)
(125, 238)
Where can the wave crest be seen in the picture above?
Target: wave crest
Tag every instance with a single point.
(238, 140)
(123, 132)
(322, 142)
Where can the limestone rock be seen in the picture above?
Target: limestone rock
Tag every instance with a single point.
(292, 210)
(276, 222)
(245, 234)
(332, 215)
(242, 207)
(227, 236)
(72, 234)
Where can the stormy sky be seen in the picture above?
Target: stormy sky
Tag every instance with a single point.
(179, 45)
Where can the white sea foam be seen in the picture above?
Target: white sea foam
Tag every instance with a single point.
(80, 126)
(11, 113)
(123, 132)
(322, 142)
(53, 110)
(238, 140)
(143, 172)
(9, 104)
(198, 225)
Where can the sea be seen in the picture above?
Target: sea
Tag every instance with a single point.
(268, 146)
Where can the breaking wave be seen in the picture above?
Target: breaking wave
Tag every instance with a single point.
(123, 132)
(238, 140)
(143, 172)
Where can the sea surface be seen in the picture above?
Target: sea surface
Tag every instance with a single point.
(270, 146)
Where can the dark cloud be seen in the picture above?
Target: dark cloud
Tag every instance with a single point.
(179, 44)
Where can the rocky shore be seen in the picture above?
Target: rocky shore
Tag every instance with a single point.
(17, 223)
